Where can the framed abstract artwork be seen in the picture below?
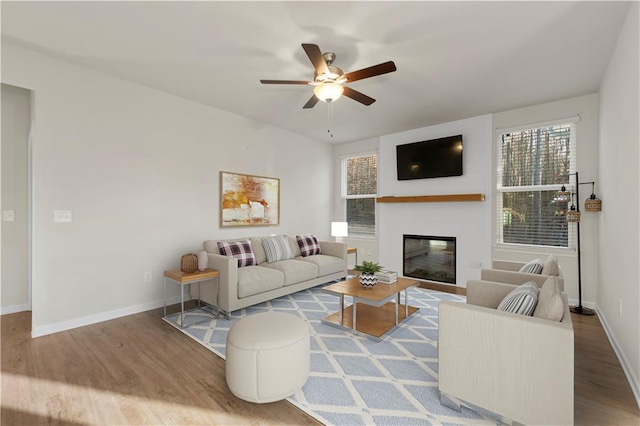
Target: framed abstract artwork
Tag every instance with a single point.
(247, 200)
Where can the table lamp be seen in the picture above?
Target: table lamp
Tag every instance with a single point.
(339, 230)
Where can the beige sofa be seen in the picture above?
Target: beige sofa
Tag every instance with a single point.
(519, 367)
(250, 285)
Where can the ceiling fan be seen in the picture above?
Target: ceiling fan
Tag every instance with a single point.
(329, 81)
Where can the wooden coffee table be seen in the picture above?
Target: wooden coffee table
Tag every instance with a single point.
(375, 311)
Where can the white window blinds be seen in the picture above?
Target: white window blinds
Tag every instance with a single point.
(359, 189)
(533, 163)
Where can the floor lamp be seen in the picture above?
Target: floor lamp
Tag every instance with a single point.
(573, 216)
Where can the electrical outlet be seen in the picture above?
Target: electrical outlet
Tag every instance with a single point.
(148, 277)
(620, 307)
(475, 264)
(8, 215)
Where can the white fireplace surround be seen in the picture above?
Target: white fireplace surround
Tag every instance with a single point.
(469, 222)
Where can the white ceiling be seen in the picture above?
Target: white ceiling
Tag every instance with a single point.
(455, 59)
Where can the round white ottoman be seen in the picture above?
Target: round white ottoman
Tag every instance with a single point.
(268, 356)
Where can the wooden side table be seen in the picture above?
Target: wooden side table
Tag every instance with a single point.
(184, 278)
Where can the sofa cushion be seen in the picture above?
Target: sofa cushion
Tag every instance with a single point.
(293, 243)
(295, 271)
(532, 267)
(211, 246)
(277, 248)
(521, 300)
(256, 279)
(326, 264)
(308, 244)
(258, 250)
(550, 301)
(551, 266)
(241, 250)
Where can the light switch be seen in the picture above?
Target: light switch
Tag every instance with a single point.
(62, 216)
(8, 215)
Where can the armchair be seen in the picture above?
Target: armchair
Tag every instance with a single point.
(506, 271)
(518, 367)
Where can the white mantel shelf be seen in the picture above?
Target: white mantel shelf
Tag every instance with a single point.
(445, 198)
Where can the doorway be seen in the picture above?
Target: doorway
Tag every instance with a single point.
(17, 139)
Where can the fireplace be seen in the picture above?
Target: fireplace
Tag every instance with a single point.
(429, 258)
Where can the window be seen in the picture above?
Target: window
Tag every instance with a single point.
(532, 166)
(359, 190)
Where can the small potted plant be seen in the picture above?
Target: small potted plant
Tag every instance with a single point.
(368, 271)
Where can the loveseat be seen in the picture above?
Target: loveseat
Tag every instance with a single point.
(243, 286)
(516, 366)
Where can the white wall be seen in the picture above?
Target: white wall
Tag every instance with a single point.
(587, 165)
(16, 119)
(619, 273)
(469, 222)
(140, 171)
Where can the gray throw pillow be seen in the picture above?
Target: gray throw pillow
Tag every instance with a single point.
(550, 301)
(551, 266)
(277, 248)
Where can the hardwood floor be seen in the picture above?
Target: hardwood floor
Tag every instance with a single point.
(140, 370)
(132, 370)
(602, 393)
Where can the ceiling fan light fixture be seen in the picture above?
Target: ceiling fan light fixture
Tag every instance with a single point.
(328, 92)
(328, 79)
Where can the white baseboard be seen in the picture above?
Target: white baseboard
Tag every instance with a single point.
(4, 310)
(628, 371)
(103, 316)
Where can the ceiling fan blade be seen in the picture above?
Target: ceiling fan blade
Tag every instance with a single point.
(283, 82)
(357, 96)
(311, 102)
(315, 55)
(370, 72)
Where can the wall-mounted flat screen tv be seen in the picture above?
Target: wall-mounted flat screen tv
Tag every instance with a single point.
(430, 159)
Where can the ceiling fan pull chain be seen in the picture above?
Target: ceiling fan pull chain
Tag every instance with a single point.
(330, 118)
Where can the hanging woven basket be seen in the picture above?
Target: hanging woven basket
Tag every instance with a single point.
(573, 215)
(593, 204)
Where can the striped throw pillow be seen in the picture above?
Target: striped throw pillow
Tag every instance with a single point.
(277, 248)
(241, 250)
(521, 300)
(533, 267)
(308, 245)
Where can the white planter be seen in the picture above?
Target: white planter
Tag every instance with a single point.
(368, 280)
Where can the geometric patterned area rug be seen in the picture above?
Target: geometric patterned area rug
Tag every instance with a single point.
(355, 380)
